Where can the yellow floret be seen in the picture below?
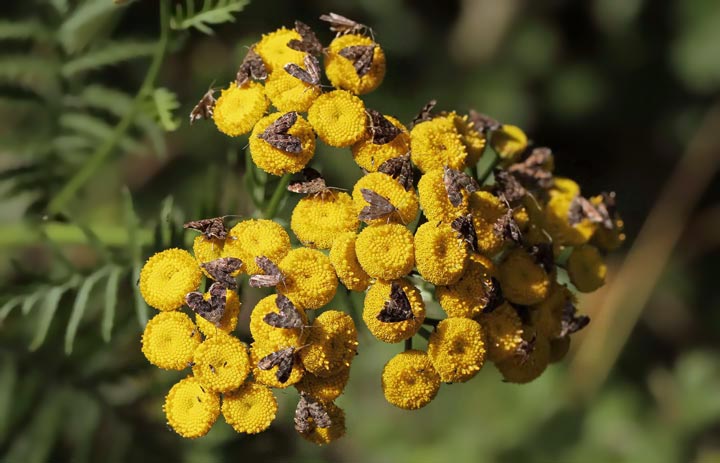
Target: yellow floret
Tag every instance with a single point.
(434, 199)
(440, 256)
(546, 316)
(310, 280)
(251, 409)
(586, 268)
(473, 140)
(523, 281)
(503, 330)
(338, 118)
(385, 251)
(221, 363)
(523, 368)
(469, 296)
(169, 340)
(229, 320)
(265, 333)
(252, 238)
(509, 142)
(341, 72)
(456, 349)
(371, 156)
(486, 209)
(206, 250)
(191, 410)
(332, 344)
(409, 380)
(557, 223)
(317, 220)
(324, 389)
(268, 377)
(288, 93)
(167, 277)
(323, 436)
(274, 160)
(274, 51)
(406, 201)
(436, 143)
(521, 218)
(239, 108)
(347, 267)
(392, 332)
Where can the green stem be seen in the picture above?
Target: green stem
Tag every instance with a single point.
(408, 344)
(431, 321)
(491, 160)
(18, 235)
(98, 158)
(280, 191)
(425, 333)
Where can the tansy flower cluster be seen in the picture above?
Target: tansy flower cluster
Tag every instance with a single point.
(458, 208)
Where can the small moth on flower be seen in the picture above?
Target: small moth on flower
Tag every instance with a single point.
(399, 168)
(212, 310)
(204, 108)
(288, 317)
(251, 67)
(455, 181)
(272, 274)
(342, 25)
(221, 270)
(211, 228)
(310, 408)
(382, 130)
(377, 208)
(309, 75)
(284, 359)
(425, 113)
(397, 308)
(277, 134)
(361, 57)
(308, 42)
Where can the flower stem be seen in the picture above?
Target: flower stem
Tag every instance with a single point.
(408, 344)
(280, 191)
(431, 321)
(490, 160)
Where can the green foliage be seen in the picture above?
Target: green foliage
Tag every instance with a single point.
(213, 12)
(165, 103)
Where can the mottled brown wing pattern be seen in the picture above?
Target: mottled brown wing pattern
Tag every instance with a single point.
(361, 57)
(211, 228)
(221, 270)
(465, 229)
(309, 407)
(455, 181)
(288, 317)
(276, 134)
(425, 113)
(308, 42)
(283, 359)
(378, 206)
(251, 67)
(397, 308)
(310, 75)
(399, 168)
(212, 310)
(381, 129)
(205, 107)
(272, 274)
(342, 25)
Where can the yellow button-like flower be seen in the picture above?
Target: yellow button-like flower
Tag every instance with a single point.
(456, 349)
(239, 108)
(434, 199)
(503, 332)
(269, 377)
(557, 222)
(347, 267)
(252, 238)
(266, 333)
(221, 363)
(169, 340)
(229, 320)
(288, 93)
(523, 367)
(566, 187)
(392, 332)
(341, 70)
(274, 160)
(332, 344)
(486, 209)
(586, 268)
(338, 118)
(167, 277)
(547, 315)
(370, 156)
(473, 140)
(251, 409)
(440, 256)
(323, 436)
(469, 296)
(523, 281)
(409, 380)
(274, 51)
(206, 250)
(436, 143)
(191, 410)
(406, 201)
(310, 280)
(325, 389)
(317, 220)
(385, 251)
(509, 142)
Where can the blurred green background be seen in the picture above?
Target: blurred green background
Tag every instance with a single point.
(625, 92)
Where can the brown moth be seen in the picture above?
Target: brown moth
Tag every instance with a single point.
(525, 349)
(482, 122)
(212, 310)
(211, 228)
(308, 42)
(309, 75)
(506, 227)
(314, 183)
(607, 208)
(397, 308)
(309, 407)
(581, 208)
(221, 270)
(252, 67)
(283, 359)
(400, 169)
(543, 255)
(465, 229)
(456, 180)
(377, 208)
(272, 274)
(276, 134)
(425, 113)
(532, 171)
(493, 293)
(205, 107)
(289, 316)
(361, 57)
(508, 187)
(570, 322)
(342, 25)
(381, 129)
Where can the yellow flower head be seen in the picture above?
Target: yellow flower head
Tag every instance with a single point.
(509, 142)
(310, 280)
(473, 140)
(392, 332)
(521, 218)
(251, 409)
(274, 160)
(332, 344)
(486, 209)
(440, 256)
(323, 436)
(436, 143)
(169, 340)
(523, 281)
(566, 187)
(325, 389)
(559, 348)
(239, 108)
(469, 296)
(526, 364)
(586, 268)
(206, 250)
(456, 349)
(341, 70)
(557, 222)
(347, 267)
(386, 251)
(434, 198)
(405, 201)
(265, 333)
(229, 320)
(371, 156)
(252, 238)
(288, 93)
(167, 277)
(503, 330)
(547, 315)
(191, 410)
(274, 51)
(317, 220)
(259, 350)
(409, 380)
(610, 240)
(221, 363)
(338, 118)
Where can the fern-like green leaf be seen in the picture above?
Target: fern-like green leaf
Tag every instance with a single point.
(135, 249)
(49, 308)
(24, 30)
(165, 103)
(79, 306)
(95, 129)
(107, 55)
(86, 24)
(213, 12)
(9, 306)
(33, 73)
(30, 301)
(111, 295)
